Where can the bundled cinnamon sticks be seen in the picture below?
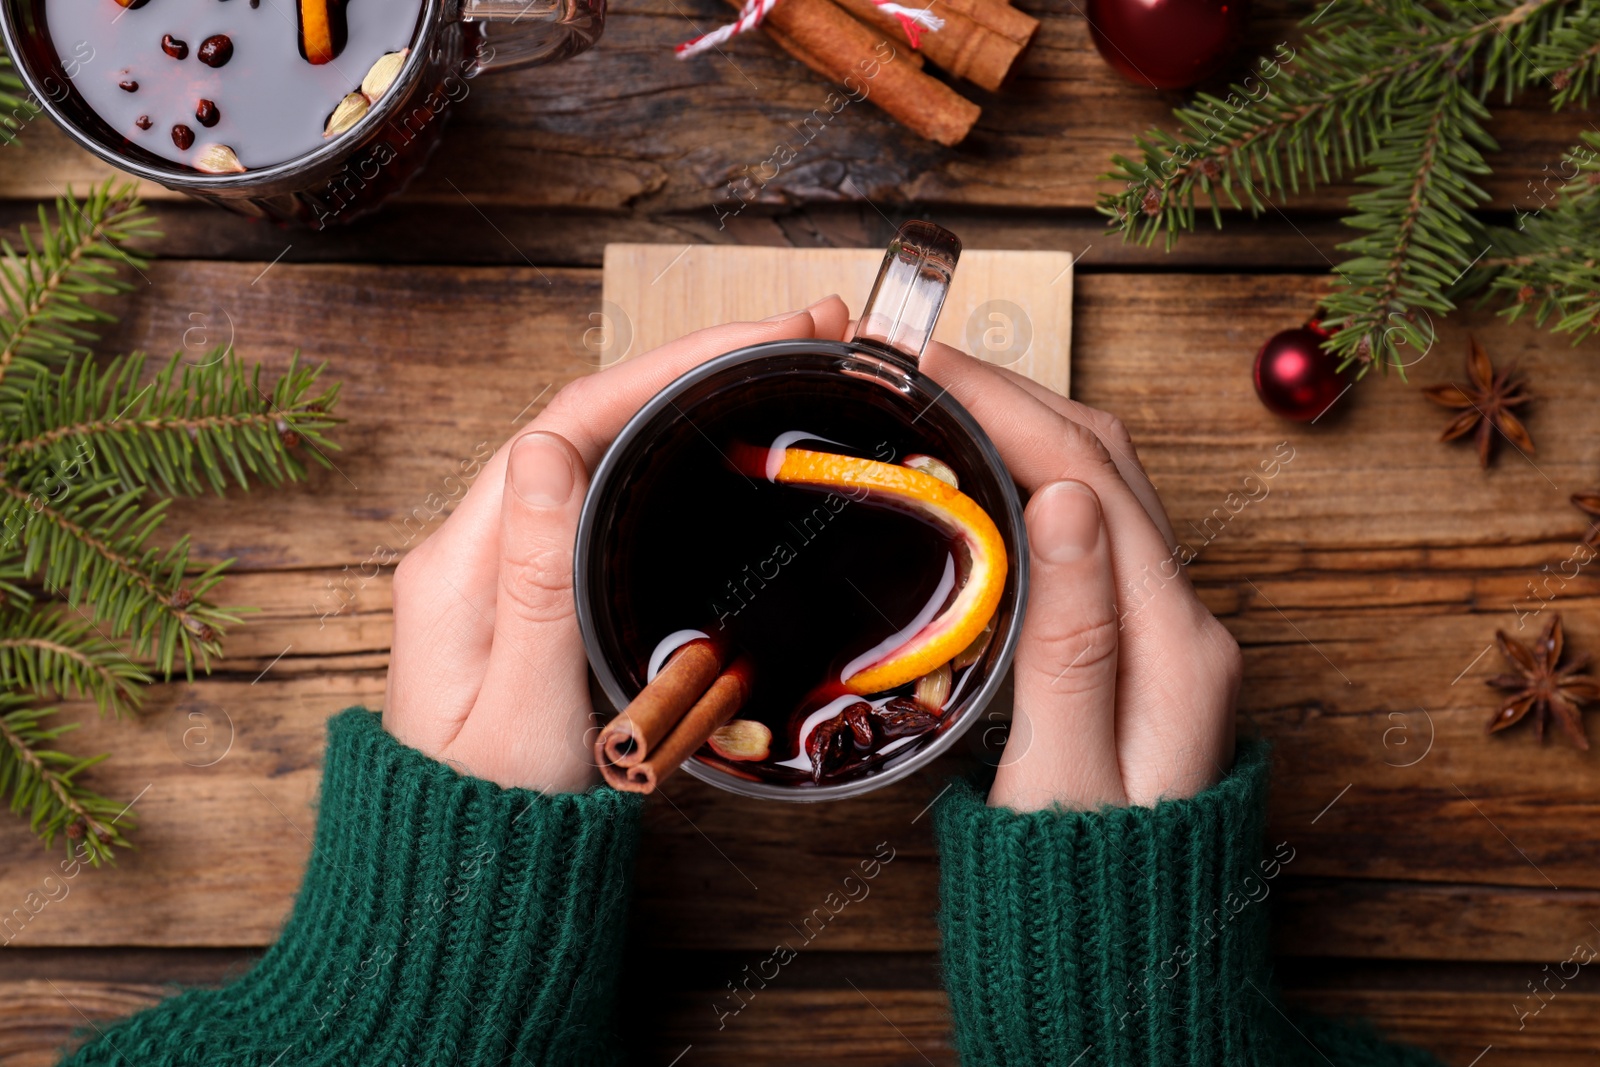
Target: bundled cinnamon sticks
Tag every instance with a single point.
(858, 45)
(672, 717)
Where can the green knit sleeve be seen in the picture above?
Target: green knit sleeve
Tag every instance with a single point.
(1127, 936)
(443, 920)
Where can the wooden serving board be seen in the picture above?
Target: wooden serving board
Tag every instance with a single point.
(1011, 308)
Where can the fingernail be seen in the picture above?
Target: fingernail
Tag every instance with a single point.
(786, 316)
(541, 470)
(816, 304)
(1065, 525)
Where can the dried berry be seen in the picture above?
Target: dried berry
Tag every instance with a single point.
(828, 746)
(904, 717)
(75, 829)
(183, 137)
(215, 50)
(173, 47)
(290, 438)
(858, 717)
(143, 122)
(129, 86)
(206, 113)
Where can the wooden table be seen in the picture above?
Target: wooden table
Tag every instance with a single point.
(1437, 871)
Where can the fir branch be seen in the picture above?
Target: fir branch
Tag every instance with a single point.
(16, 109)
(1421, 237)
(42, 781)
(1395, 88)
(44, 288)
(1549, 262)
(91, 546)
(1572, 55)
(1316, 111)
(51, 653)
(185, 431)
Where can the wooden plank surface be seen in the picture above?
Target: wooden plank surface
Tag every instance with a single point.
(870, 1026)
(627, 127)
(1012, 308)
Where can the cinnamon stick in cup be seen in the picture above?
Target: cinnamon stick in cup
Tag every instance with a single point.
(715, 707)
(630, 738)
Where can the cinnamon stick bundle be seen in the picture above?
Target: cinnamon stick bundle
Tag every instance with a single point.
(997, 15)
(671, 717)
(965, 46)
(831, 41)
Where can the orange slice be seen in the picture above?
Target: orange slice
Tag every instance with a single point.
(316, 31)
(949, 631)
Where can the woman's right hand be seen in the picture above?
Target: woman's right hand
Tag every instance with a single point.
(1125, 683)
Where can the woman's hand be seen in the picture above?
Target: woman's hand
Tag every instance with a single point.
(1125, 683)
(487, 670)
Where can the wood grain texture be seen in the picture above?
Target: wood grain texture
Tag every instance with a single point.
(865, 1025)
(1013, 308)
(628, 127)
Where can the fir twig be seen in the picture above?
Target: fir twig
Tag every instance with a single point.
(16, 108)
(186, 430)
(52, 653)
(1549, 262)
(1395, 89)
(93, 601)
(44, 287)
(1420, 233)
(41, 781)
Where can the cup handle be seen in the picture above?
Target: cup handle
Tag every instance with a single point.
(911, 287)
(524, 33)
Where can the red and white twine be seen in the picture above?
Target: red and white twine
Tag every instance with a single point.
(913, 19)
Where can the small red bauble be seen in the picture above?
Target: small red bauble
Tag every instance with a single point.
(1166, 44)
(1297, 377)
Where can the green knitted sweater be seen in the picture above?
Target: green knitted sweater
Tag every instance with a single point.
(445, 921)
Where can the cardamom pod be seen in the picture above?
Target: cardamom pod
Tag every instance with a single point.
(217, 159)
(933, 688)
(936, 467)
(346, 115)
(383, 74)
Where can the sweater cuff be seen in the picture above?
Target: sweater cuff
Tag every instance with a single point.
(1126, 935)
(442, 912)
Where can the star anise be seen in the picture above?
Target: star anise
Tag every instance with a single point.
(1487, 402)
(1589, 504)
(1543, 686)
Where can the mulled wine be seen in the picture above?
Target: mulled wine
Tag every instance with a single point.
(772, 512)
(228, 86)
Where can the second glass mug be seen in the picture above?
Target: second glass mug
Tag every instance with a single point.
(878, 368)
(351, 174)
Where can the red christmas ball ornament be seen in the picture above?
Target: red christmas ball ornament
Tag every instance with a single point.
(1167, 44)
(1296, 376)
